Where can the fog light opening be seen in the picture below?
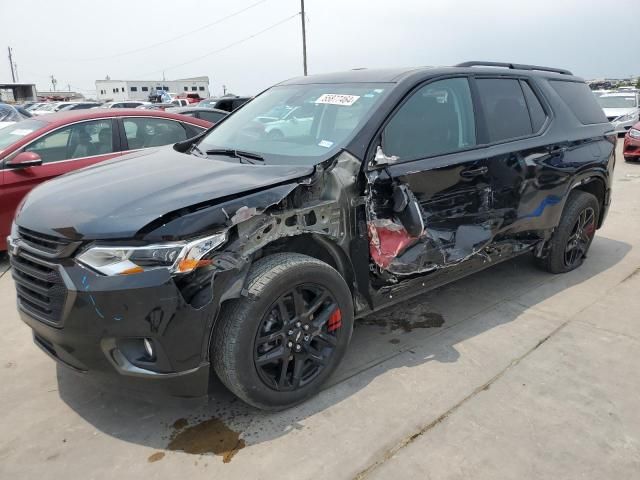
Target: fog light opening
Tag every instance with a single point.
(148, 348)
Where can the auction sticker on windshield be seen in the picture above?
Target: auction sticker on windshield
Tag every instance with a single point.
(337, 99)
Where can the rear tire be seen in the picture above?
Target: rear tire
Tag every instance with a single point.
(568, 247)
(275, 347)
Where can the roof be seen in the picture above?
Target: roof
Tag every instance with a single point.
(360, 75)
(396, 75)
(195, 109)
(62, 118)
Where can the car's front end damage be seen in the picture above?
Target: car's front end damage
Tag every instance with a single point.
(138, 313)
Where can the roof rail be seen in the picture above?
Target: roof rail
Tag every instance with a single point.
(515, 66)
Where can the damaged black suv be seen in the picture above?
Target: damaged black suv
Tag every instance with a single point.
(249, 250)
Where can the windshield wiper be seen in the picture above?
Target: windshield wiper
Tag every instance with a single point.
(239, 154)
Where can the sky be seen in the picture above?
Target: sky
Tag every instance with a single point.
(249, 45)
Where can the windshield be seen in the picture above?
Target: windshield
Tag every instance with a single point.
(619, 101)
(291, 124)
(17, 131)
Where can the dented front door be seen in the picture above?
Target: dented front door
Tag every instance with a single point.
(431, 191)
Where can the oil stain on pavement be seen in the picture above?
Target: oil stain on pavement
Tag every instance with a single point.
(405, 321)
(208, 436)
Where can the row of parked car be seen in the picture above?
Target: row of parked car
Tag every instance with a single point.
(247, 250)
(622, 108)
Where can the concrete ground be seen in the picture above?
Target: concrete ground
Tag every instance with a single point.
(530, 376)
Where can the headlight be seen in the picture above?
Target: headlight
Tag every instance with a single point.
(179, 257)
(633, 133)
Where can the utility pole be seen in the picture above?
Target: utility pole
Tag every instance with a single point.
(224, 89)
(68, 86)
(304, 38)
(13, 73)
(54, 82)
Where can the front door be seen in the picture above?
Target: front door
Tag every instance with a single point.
(435, 197)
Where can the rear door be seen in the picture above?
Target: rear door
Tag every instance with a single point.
(63, 150)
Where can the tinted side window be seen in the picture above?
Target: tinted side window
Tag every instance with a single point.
(152, 132)
(224, 105)
(211, 116)
(436, 119)
(505, 110)
(537, 113)
(84, 139)
(580, 100)
(238, 103)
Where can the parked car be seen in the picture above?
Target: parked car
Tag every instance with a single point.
(631, 147)
(157, 106)
(45, 109)
(78, 106)
(250, 256)
(227, 103)
(41, 148)
(180, 102)
(9, 115)
(621, 109)
(35, 106)
(190, 97)
(123, 104)
(209, 114)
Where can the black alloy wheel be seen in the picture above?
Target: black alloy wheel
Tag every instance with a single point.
(297, 337)
(277, 344)
(580, 237)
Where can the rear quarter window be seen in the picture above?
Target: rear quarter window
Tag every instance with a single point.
(578, 97)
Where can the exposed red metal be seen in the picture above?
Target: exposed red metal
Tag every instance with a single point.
(387, 240)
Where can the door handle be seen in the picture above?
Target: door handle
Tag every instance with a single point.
(473, 172)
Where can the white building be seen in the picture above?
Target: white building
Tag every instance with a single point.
(140, 89)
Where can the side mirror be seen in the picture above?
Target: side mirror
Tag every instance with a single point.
(25, 160)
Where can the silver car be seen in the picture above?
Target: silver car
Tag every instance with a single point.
(622, 109)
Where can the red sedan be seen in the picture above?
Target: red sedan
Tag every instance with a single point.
(631, 148)
(38, 149)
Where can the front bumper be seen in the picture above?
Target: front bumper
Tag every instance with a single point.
(100, 326)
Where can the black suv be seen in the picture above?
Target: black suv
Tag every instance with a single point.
(249, 255)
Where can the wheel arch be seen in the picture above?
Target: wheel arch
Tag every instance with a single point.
(594, 184)
(319, 247)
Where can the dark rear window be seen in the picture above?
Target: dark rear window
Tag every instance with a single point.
(212, 116)
(505, 109)
(580, 101)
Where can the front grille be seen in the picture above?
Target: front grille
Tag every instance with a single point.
(40, 288)
(46, 245)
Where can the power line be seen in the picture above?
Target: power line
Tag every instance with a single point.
(173, 39)
(213, 52)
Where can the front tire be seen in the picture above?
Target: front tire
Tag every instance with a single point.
(571, 240)
(275, 347)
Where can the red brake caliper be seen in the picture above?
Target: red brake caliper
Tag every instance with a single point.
(335, 320)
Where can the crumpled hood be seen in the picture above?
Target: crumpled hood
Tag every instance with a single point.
(117, 198)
